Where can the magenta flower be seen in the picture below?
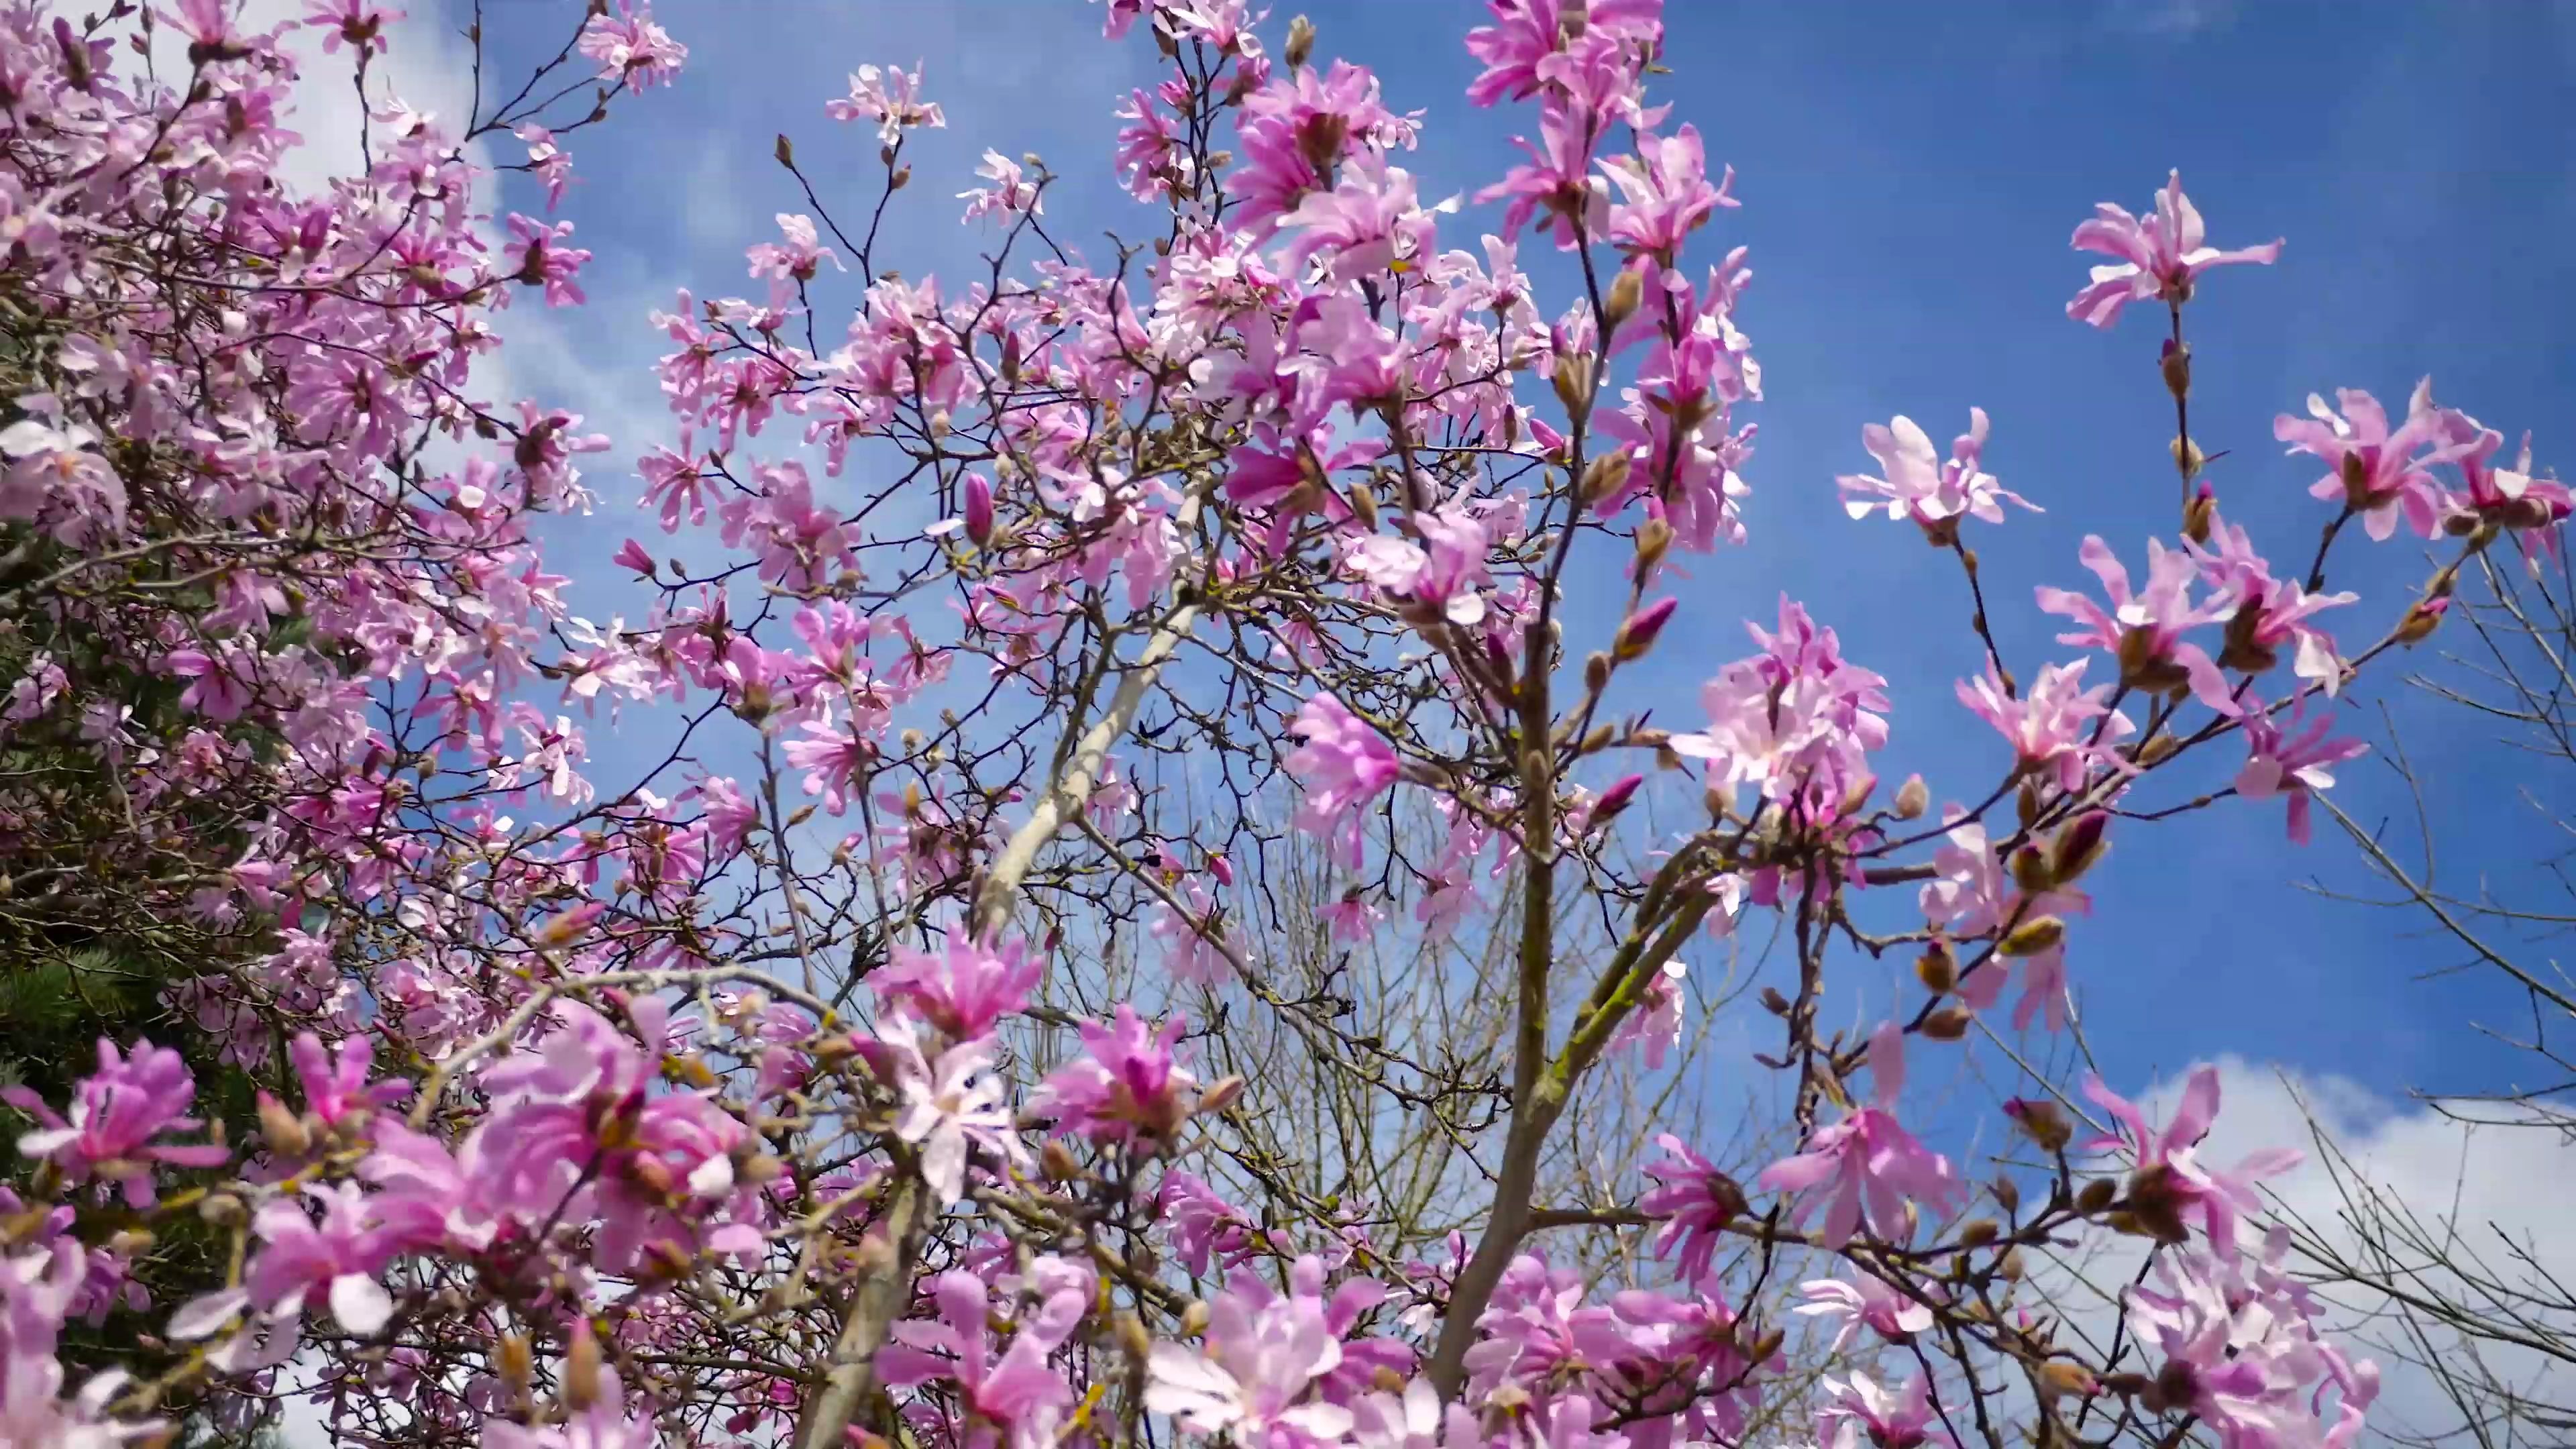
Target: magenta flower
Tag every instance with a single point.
(2051, 725)
(2287, 760)
(964, 990)
(340, 1258)
(1265, 1357)
(2509, 497)
(2160, 258)
(2168, 1184)
(1655, 1023)
(1696, 1202)
(1920, 485)
(1866, 1167)
(1126, 1088)
(1342, 765)
(891, 97)
(949, 1106)
(2144, 630)
(2377, 471)
(336, 1088)
(1666, 196)
(1016, 1398)
(115, 1115)
(2271, 614)
(1205, 1228)
(1860, 1411)
(1864, 1302)
(631, 50)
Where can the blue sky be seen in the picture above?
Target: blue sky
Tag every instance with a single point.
(1909, 175)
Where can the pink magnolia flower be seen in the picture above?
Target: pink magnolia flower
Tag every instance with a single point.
(1696, 1202)
(631, 49)
(2509, 497)
(949, 1105)
(336, 1089)
(1866, 1167)
(2236, 1346)
(1520, 51)
(2052, 723)
(540, 256)
(1126, 1087)
(2377, 471)
(1859, 1412)
(116, 1113)
(358, 24)
(891, 97)
(1864, 1302)
(964, 990)
(1343, 764)
(2271, 614)
(1265, 1356)
(1665, 195)
(340, 1258)
(1205, 1228)
(2144, 630)
(2160, 258)
(1920, 486)
(2284, 759)
(1011, 193)
(1656, 1020)
(1017, 1398)
(549, 163)
(2168, 1184)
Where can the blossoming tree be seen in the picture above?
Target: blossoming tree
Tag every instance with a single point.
(1105, 693)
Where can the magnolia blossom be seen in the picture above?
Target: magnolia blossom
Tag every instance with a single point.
(1864, 1302)
(2168, 1183)
(2160, 258)
(1343, 765)
(1920, 486)
(950, 1104)
(2292, 761)
(1866, 1167)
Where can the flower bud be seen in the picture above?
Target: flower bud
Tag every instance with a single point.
(2026, 803)
(2199, 514)
(581, 1368)
(785, 152)
(1596, 673)
(899, 180)
(284, 1134)
(1948, 1024)
(2042, 1121)
(1638, 634)
(1604, 476)
(1057, 1161)
(2187, 456)
(516, 1365)
(1364, 505)
(1773, 1002)
(1224, 1093)
(2007, 1194)
(1573, 383)
(1133, 1338)
(2078, 846)
(1625, 294)
(2030, 870)
(1194, 1319)
(1653, 537)
(2421, 621)
(1913, 798)
(2096, 1195)
(2033, 936)
(2175, 364)
(1938, 970)
(979, 509)
(2061, 1378)
(1978, 1233)
(1301, 42)
(1616, 798)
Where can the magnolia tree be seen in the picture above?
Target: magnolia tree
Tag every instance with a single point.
(1156, 921)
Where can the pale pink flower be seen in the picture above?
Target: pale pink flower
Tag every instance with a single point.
(2160, 258)
(1866, 1167)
